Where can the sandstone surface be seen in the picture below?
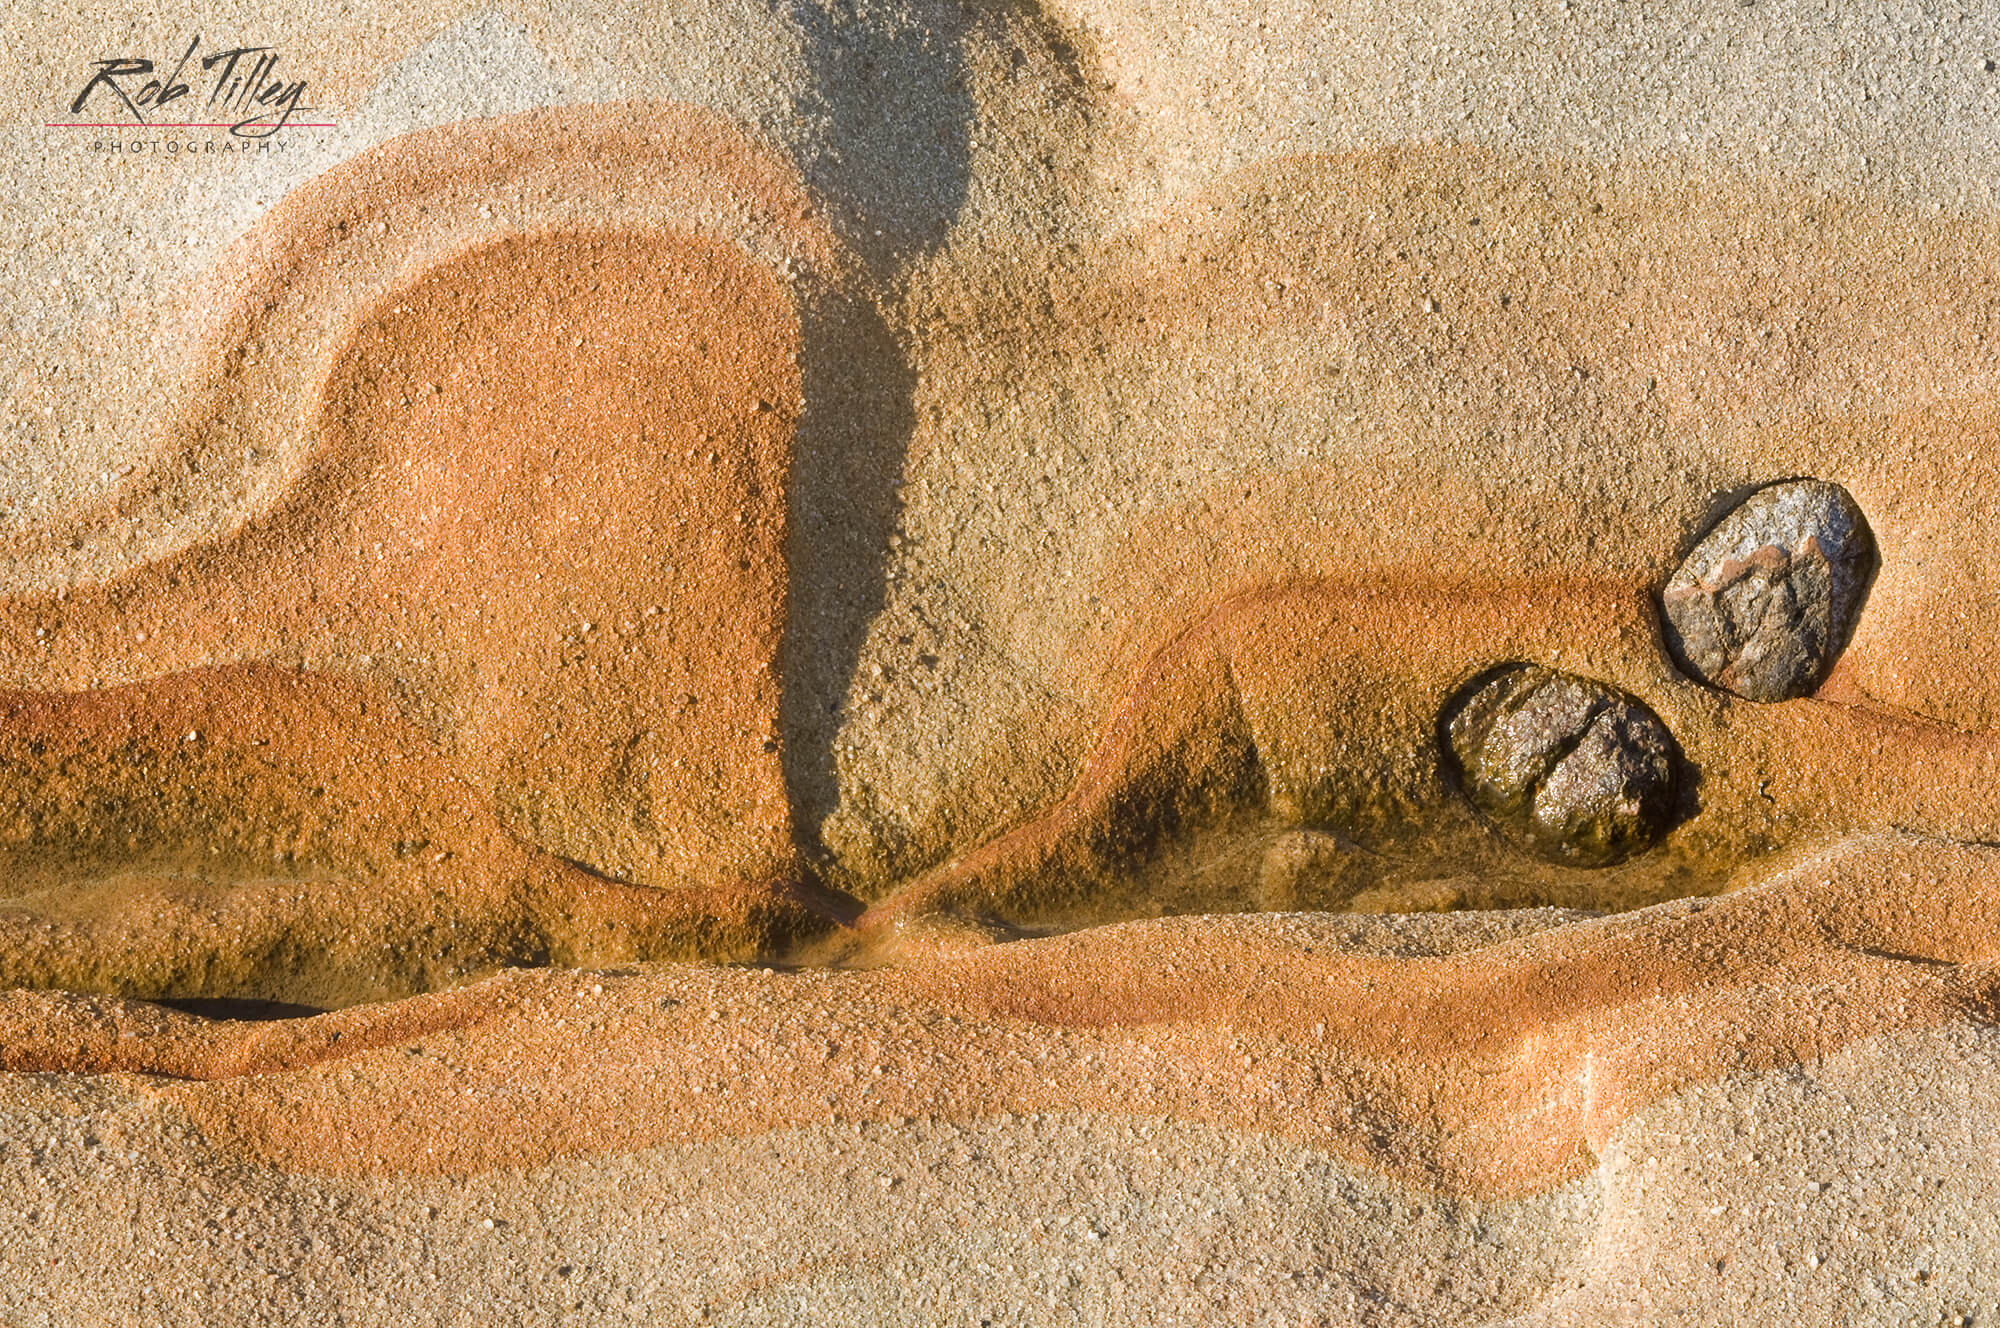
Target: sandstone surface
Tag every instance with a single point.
(836, 663)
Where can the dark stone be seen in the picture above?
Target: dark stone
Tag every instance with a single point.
(1769, 598)
(1577, 772)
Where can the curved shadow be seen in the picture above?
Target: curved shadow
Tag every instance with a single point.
(847, 468)
(892, 91)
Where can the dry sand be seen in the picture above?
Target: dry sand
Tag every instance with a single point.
(818, 634)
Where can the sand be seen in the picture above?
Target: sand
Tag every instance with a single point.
(785, 665)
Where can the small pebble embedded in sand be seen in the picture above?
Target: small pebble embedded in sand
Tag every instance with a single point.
(1573, 770)
(1766, 602)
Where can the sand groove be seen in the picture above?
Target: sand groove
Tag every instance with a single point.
(1496, 1070)
(1251, 712)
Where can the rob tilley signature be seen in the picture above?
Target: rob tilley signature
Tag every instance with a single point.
(244, 83)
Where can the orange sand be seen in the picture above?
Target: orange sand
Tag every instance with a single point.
(1494, 1071)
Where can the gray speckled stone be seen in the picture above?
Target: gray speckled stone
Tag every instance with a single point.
(1577, 772)
(1765, 603)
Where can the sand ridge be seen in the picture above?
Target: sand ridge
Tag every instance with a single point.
(1446, 331)
(1496, 1070)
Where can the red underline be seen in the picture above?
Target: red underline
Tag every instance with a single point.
(127, 124)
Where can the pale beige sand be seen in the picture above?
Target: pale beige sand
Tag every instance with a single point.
(1851, 1189)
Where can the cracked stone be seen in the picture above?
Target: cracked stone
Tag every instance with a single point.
(1767, 601)
(1571, 769)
